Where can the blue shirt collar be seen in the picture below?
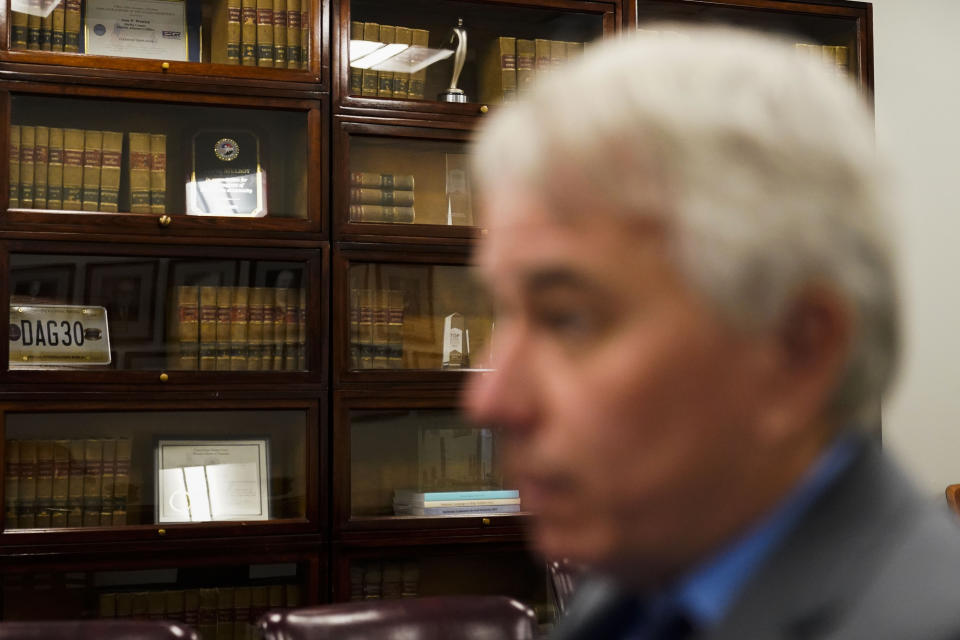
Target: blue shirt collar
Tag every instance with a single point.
(706, 594)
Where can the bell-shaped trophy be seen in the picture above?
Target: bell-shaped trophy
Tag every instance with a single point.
(459, 36)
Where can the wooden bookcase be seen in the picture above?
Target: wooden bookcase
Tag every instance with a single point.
(354, 399)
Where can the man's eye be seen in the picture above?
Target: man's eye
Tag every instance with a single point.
(574, 323)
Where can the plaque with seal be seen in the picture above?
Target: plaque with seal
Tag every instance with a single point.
(58, 335)
(226, 176)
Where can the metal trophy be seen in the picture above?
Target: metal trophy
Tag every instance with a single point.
(452, 93)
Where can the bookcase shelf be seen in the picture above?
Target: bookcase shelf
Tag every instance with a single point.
(383, 296)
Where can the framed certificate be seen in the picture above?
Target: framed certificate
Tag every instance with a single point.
(212, 480)
(136, 29)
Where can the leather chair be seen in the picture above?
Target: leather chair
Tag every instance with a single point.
(97, 630)
(437, 618)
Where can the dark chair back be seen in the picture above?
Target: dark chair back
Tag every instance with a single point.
(438, 618)
(97, 630)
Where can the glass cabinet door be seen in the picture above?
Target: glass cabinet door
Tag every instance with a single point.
(177, 160)
(464, 51)
(218, 600)
(417, 316)
(114, 469)
(405, 180)
(135, 313)
(425, 463)
(270, 34)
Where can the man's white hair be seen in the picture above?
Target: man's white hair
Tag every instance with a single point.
(760, 162)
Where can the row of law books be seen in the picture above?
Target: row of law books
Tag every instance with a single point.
(381, 197)
(376, 580)
(79, 169)
(388, 84)
(67, 483)
(511, 66)
(59, 31)
(407, 502)
(219, 613)
(376, 329)
(836, 57)
(238, 328)
(262, 33)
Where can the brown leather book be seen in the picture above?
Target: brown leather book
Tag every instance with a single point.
(92, 165)
(13, 158)
(55, 169)
(11, 495)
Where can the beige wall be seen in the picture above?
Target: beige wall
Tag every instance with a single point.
(917, 62)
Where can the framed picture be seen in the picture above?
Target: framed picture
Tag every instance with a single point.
(204, 273)
(128, 290)
(52, 284)
(212, 480)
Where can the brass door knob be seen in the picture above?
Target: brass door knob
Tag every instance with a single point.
(484, 108)
(161, 532)
(165, 220)
(485, 521)
(165, 66)
(164, 377)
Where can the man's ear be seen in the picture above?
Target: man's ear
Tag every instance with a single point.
(810, 351)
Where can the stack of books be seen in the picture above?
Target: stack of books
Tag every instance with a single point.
(388, 84)
(262, 33)
(376, 329)
(511, 66)
(376, 580)
(77, 169)
(238, 328)
(381, 197)
(67, 483)
(59, 31)
(220, 612)
(408, 502)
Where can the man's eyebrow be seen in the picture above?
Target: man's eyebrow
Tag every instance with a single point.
(545, 278)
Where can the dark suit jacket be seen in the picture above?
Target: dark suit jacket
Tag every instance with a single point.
(871, 560)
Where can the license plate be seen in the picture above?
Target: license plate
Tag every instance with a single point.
(58, 335)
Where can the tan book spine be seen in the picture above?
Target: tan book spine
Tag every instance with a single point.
(418, 80)
(46, 33)
(41, 158)
(401, 81)
(381, 330)
(225, 605)
(107, 606)
(302, 326)
(255, 329)
(75, 484)
(11, 487)
(121, 482)
(57, 28)
(294, 51)
(14, 167)
(388, 35)
(248, 33)
(28, 484)
(191, 608)
(92, 481)
(44, 483)
(28, 147)
(140, 606)
(18, 30)
(356, 74)
(124, 606)
(264, 33)
(385, 197)
(224, 300)
(275, 596)
(138, 171)
(381, 213)
(280, 306)
(542, 61)
(355, 343)
(156, 605)
(175, 605)
(306, 25)
(395, 329)
(187, 326)
(291, 329)
(158, 173)
(55, 169)
(574, 50)
(369, 83)
(280, 34)
(208, 328)
(400, 182)
(33, 32)
(526, 65)
(558, 54)
(225, 32)
(243, 628)
(72, 169)
(92, 164)
(61, 483)
(71, 26)
(269, 343)
(259, 602)
(239, 317)
(207, 614)
(108, 481)
(110, 171)
(234, 12)
(498, 82)
(367, 301)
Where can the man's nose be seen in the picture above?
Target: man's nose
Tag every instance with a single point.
(505, 397)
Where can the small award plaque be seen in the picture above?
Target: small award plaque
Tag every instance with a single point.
(456, 343)
(226, 178)
(136, 28)
(211, 480)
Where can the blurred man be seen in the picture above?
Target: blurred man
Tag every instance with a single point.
(697, 317)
